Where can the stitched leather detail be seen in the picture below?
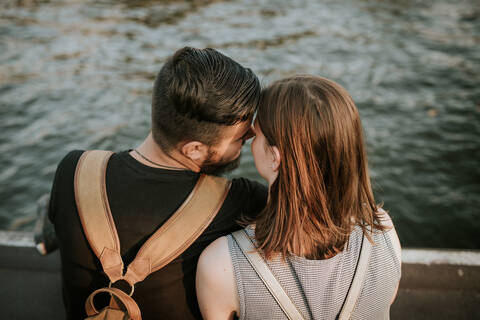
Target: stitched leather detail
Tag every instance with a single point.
(112, 264)
(138, 270)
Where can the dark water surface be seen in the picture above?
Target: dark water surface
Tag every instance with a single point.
(78, 75)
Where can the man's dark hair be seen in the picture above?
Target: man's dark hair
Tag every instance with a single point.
(197, 92)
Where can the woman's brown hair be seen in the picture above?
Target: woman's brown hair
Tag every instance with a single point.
(323, 187)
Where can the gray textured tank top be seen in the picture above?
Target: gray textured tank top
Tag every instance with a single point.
(319, 287)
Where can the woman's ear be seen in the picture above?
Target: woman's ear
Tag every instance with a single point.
(195, 151)
(276, 158)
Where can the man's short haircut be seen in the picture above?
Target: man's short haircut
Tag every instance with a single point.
(196, 93)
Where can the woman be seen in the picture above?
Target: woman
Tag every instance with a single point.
(309, 148)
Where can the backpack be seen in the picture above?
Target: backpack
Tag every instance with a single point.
(167, 243)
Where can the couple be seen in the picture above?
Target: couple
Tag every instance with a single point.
(308, 225)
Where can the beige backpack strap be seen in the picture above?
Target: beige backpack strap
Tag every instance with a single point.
(169, 241)
(129, 304)
(268, 278)
(94, 211)
(182, 229)
(358, 279)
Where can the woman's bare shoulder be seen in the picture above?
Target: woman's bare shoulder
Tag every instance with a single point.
(216, 289)
(214, 260)
(216, 249)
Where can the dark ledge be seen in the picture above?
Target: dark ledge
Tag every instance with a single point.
(436, 284)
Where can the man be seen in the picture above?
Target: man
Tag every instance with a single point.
(202, 107)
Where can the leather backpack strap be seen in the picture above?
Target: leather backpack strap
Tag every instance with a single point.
(94, 211)
(181, 229)
(358, 279)
(128, 303)
(268, 278)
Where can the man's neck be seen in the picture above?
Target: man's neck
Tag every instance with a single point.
(151, 154)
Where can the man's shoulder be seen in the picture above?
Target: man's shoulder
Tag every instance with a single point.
(247, 184)
(71, 158)
(61, 195)
(246, 197)
(68, 163)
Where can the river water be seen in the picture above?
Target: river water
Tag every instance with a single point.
(78, 75)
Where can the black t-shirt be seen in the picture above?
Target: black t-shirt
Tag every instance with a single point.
(141, 199)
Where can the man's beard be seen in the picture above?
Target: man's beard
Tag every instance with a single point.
(217, 169)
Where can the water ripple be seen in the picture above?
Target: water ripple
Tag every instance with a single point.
(78, 74)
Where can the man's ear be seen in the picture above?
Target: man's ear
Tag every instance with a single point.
(276, 158)
(195, 151)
